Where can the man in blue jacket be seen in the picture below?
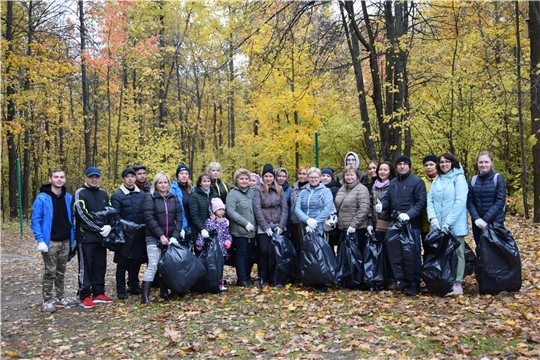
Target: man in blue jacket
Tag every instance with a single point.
(52, 225)
(407, 196)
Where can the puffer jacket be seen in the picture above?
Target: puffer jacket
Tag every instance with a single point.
(240, 212)
(316, 203)
(406, 194)
(447, 201)
(352, 202)
(199, 207)
(485, 201)
(294, 198)
(129, 204)
(269, 208)
(163, 215)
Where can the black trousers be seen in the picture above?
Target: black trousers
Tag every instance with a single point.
(92, 268)
(263, 241)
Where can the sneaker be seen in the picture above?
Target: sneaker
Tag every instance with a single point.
(222, 288)
(66, 302)
(87, 303)
(101, 298)
(48, 306)
(456, 290)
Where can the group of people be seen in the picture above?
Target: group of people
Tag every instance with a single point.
(251, 211)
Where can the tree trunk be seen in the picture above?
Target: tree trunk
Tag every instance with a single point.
(534, 36)
(85, 94)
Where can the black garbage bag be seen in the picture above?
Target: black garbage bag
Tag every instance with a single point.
(180, 268)
(282, 261)
(134, 246)
(212, 258)
(317, 261)
(349, 263)
(440, 261)
(109, 216)
(400, 246)
(374, 263)
(498, 264)
(470, 260)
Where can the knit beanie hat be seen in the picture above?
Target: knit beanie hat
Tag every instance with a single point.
(180, 168)
(403, 158)
(217, 204)
(328, 171)
(268, 169)
(429, 158)
(256, 176)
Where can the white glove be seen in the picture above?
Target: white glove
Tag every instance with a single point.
(105, 231)
(173, 240)
(446, 228)
(309, 229)
(370, 230)
(351, 230)
(403, 217)
(250, 227)
(279, 231)
(378, 207)
(205, 234)
(435, 224)
(312, 223)
(480, 223)
(227, 221)
(269, 232)
(183, 234)
(42, 247)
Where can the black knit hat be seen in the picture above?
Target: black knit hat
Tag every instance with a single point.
(128, 171)
(267, 169)
(180, 168)
(328, 171)
(430, 158)
(403, 158)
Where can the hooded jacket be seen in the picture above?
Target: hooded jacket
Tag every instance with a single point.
(447, 201)
(353, 204)
(316, 203)
(176, 190)
(240, 212)
(270, 208)
(162, 215)
(406, 194)
(42, 215)
(363, 176)
(199, 207)
(485, 201)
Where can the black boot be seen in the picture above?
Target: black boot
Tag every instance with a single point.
(121, 282)
(146, 292)
(261, 283)
(133, 276)
(163, 289)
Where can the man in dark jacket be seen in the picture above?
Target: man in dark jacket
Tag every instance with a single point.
(52, 225)
(128, 202)
(92, 255)
(407, 196)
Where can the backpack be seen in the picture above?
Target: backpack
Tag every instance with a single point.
(473, 180)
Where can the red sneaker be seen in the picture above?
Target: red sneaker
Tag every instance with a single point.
(101, 298)
(87, 303)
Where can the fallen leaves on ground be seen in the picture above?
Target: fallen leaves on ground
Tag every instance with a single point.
(293, 322)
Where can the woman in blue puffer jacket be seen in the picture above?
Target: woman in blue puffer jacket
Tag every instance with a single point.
(487, 196)
(447, 205)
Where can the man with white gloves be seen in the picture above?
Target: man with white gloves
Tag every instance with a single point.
(407, 196)
(52, 225)
(92, 255)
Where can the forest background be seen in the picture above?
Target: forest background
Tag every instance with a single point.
(244, 83)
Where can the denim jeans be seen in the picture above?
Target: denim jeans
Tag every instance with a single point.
(242, 248)
(153, 258)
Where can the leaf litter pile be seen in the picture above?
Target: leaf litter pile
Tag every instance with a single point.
(293, 322)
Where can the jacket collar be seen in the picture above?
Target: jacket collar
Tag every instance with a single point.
(126, 191)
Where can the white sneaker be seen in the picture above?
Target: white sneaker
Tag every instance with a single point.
(222, 288)
(66, 302)
(456, 290)
(48, 306)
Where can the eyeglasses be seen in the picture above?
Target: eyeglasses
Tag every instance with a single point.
(314, 177)
(302, 173)
(445, 162)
